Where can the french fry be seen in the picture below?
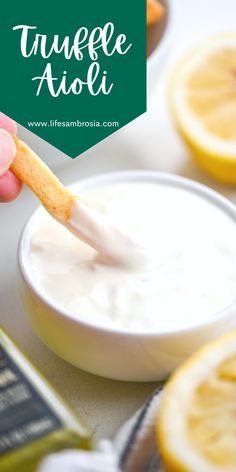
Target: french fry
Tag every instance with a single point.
(155, 10)
(56, 198)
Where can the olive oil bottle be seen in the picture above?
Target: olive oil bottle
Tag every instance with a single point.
(34, 420)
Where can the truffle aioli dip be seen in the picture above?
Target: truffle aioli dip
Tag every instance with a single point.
(192, 244)
(113, 246)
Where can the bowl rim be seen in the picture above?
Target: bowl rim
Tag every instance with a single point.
(165, 40)
(134, 175)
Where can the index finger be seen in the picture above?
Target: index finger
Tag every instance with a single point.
(7, 123)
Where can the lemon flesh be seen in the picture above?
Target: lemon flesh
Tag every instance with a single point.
(211, 422)
(203, 101)
(197, 421)
(211, 93)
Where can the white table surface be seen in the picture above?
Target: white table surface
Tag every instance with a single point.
(149, 142)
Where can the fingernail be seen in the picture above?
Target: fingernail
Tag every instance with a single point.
(7, 150)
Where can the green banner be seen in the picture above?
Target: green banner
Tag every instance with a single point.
(73, 72)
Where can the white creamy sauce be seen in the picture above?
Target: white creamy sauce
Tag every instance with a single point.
(112, 245)
(193, 270)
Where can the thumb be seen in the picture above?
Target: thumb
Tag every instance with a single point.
(7, 151)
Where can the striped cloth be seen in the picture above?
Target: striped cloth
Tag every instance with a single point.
(134, 448)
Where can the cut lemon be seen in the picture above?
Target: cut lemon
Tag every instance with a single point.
(203, 101)
(197, 420)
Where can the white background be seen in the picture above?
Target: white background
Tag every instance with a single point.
(149, 142)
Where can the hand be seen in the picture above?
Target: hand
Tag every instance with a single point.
(10, 185)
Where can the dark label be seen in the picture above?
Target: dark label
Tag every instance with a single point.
(24, 414)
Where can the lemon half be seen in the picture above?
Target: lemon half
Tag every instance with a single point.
(196, 424)
(203, 102)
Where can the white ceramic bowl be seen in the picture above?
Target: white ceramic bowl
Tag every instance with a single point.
(111, 353)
